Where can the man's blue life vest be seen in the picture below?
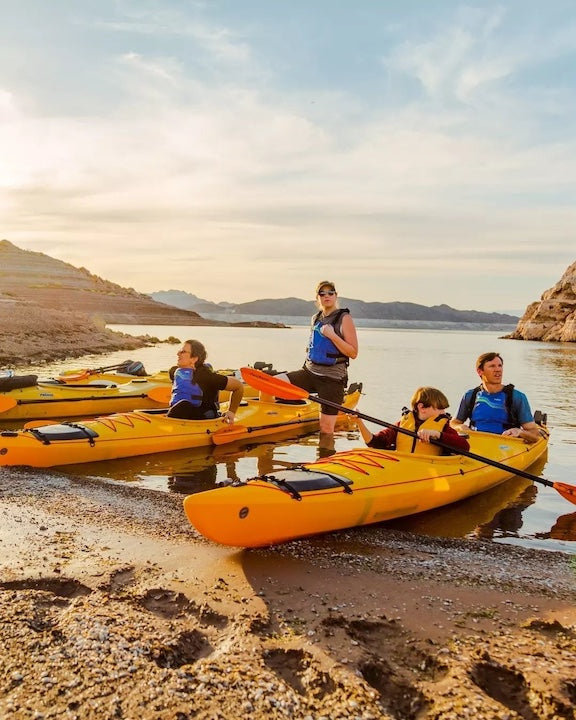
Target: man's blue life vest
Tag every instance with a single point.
(492, 412)
(321, 350)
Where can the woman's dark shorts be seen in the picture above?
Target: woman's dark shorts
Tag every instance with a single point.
(325, 388)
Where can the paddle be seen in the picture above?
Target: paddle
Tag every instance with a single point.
(159, 394)
(239, 432)
(72, 375)
(280, 388)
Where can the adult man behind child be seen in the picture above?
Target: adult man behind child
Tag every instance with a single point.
(494, 407)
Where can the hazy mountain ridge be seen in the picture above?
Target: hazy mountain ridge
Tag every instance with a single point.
(291, 306)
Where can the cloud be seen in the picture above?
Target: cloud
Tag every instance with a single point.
(205, 156)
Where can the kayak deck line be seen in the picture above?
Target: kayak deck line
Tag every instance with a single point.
(126, 419)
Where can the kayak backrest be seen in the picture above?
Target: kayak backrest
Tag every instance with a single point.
(14, 382)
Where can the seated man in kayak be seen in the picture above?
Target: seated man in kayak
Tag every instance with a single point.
(195, 387)
(494, 407)
(425, 422)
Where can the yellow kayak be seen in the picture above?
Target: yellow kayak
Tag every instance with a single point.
(87, 393)
(50, 399)
(353, 488)
(162, 377)
(150, 431)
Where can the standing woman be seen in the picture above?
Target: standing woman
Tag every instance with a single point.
(333, 342)
(195, 387)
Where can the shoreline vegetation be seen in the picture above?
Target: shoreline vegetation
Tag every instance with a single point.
(112, 605)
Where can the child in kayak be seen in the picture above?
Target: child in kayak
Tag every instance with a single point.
(427, 421)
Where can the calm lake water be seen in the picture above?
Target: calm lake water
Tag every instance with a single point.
(391, 364)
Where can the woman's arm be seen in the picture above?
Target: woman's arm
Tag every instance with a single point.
(348, 343)
(237, 393)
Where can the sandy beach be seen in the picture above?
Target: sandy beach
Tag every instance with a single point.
(114, 607)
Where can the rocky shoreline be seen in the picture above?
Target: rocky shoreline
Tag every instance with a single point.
(32, 335)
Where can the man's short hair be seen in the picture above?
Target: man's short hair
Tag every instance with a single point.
(487, 357)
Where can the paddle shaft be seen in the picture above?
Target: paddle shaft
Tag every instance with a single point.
(95, 371)
(405, 431)
(237, 433)
(36, 401)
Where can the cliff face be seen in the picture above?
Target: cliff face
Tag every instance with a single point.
(33, 277)
(553, 317)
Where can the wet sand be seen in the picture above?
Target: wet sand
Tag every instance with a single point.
(113, 607)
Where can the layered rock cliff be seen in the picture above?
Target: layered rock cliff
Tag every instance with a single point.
(553, 317)
(51, 284)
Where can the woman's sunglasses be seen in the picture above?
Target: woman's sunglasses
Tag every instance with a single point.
(327, 292)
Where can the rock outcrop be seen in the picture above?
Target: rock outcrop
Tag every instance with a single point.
(30, 334)
(553, 317)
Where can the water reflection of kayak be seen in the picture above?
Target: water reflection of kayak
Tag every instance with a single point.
(563, 529)
(481, 515)
(197, 469)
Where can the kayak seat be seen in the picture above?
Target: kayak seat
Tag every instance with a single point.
(14, 382)
(540, 418)
(64, 431)
(354, 387)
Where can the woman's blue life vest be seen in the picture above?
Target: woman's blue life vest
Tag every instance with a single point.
(185, 388)
(321, 350)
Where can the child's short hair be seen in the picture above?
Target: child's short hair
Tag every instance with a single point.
(429, 397)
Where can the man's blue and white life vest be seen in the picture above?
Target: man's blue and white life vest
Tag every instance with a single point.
(493, 412)
(185, 388)
(321, 350)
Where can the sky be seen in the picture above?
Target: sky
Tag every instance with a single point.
(409, 151)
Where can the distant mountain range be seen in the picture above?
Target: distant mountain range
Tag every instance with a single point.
(369, 311)
(37, 278)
